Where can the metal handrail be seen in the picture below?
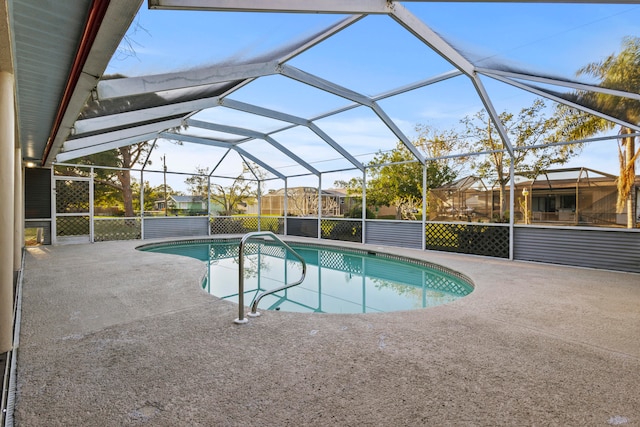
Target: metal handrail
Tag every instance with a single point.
(254, 313)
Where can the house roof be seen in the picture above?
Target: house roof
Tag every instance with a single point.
(337, 192)
(186, 199)
(553, 178)
(463, 183)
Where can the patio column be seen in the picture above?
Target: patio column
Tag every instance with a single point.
(18, 229)
(7, 188)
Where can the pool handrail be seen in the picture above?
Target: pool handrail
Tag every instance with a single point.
(254, 313)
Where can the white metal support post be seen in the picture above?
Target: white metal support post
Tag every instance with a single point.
(512, 193)
(209, 205)
(142, 203)
(54, 226)
(144, 165)
(286, 204)
(424, 206)
(259, 207)
(320, 206)
(364, 205)
(91, 216)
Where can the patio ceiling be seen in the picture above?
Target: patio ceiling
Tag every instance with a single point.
(127, 110)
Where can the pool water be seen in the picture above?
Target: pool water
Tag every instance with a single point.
(337, 280)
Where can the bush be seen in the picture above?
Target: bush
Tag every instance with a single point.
(356, 212)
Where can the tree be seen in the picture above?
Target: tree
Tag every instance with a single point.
(123, 158)
(302, 201)
(198, 184)
(151, 195)
(526, 129)
(438, 145)
(241, 189)
(617, 71)
(119, 178)
(397, 177)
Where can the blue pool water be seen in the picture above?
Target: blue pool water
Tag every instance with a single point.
(337, 280)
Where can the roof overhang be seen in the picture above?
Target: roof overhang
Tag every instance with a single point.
(59, 51)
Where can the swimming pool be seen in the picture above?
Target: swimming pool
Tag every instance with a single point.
(338, 280)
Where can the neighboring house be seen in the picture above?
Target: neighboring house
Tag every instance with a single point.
(563, 196)
(183, 203)
(303, 201)
(461, 199)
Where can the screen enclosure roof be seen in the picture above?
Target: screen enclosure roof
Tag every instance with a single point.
(305, 88)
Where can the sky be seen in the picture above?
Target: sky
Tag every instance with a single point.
(372, 56)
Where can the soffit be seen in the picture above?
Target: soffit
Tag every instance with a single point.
(45, 40)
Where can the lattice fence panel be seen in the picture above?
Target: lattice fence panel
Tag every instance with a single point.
(117, 229)
(250, 224)
(468, 239)
(348, 231)
(72, 225)
(227, 225)
(72, 196)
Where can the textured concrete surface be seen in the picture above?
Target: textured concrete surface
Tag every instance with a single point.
(116, 337)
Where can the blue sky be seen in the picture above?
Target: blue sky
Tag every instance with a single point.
(373, 56)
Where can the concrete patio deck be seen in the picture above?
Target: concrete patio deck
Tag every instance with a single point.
(112, 336)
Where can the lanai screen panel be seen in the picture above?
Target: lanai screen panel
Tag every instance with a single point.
(337, 70)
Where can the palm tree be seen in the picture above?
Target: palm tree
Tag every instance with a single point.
(620, 72)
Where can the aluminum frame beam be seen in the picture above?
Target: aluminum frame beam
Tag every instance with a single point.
(393, 92)
(419, 84)
(552, 97)
(285, 6)
(351, 95)
(429, 37)
(324, 6)
(488, 105)
(216, 143)
(89, 141)
(64, 156)
(131, 117)
(256, 135)
(558, 82)
(277, 115)
(331, 31)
